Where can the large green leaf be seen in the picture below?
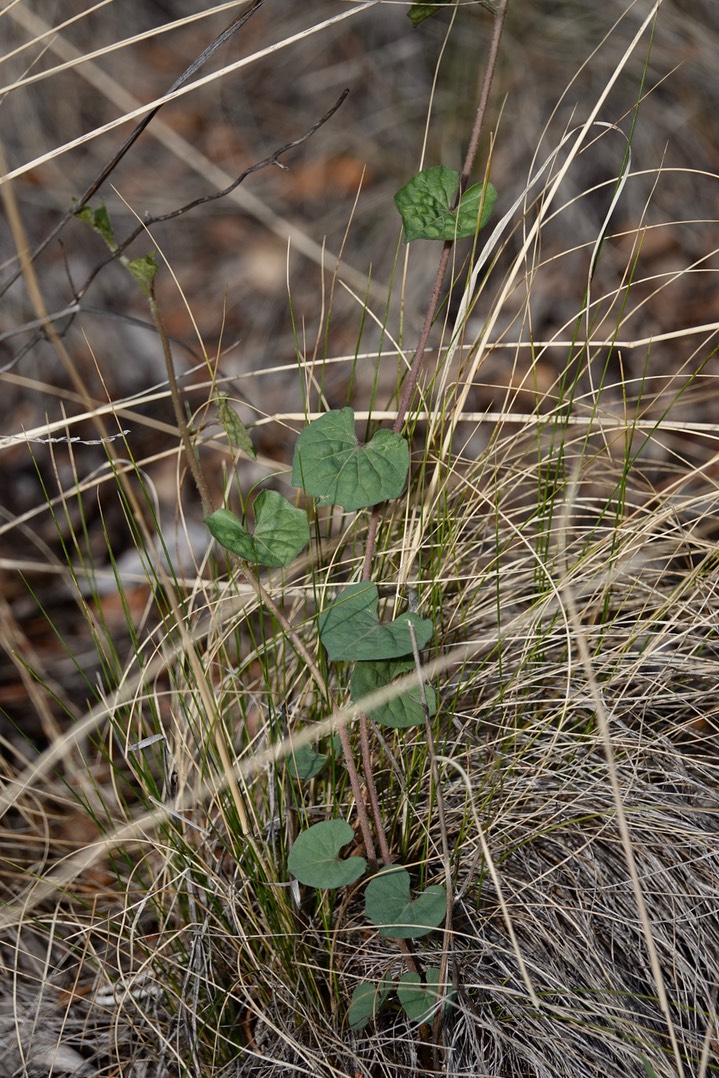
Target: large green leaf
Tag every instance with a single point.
(281, 531)
(314, 858)
(331, 465)
(402, 711)
(367, 999)
(304, 763)
(419, 999)
(349, 627)
(388, 905)
(425, 204)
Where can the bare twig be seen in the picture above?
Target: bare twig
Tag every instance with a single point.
(150, 220)
(118, 251)
(109, 168)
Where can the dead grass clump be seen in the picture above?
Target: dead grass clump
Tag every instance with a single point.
(559, 528)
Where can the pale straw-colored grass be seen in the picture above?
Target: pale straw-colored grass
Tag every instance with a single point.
(559, 528)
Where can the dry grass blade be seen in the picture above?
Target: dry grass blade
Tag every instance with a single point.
(167, 730)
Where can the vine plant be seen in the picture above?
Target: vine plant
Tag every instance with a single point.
(331, 466)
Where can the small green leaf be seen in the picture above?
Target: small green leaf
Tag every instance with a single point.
(419, 12)
(143, 270)
(331, 465)
(238, 437)
(419, 1000)
(99, 219)
(424, 205)
(314, 857)
(405, 710)
(388, 905)
(349, 628)
(281, 531)
(305, 763)
(367, 999)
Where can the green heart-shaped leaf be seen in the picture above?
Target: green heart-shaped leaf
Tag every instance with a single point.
(425, 204)
(331, 465)
(314, 858)
(367, 999)
(349, 628)
(389, 906)
(419, 1000)
(402, 711)
(281, 531)
(305, 763)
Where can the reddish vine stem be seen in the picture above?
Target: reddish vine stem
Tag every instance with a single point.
(410, 384)
(359, 795)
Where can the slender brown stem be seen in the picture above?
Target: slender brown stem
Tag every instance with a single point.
(358, 792)
(190, 451)
(408, 388)
(410, 382)
(499, 18)
(123, 480)
(371, 788)
(411, 379)
(370, 543)
(203, 490)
